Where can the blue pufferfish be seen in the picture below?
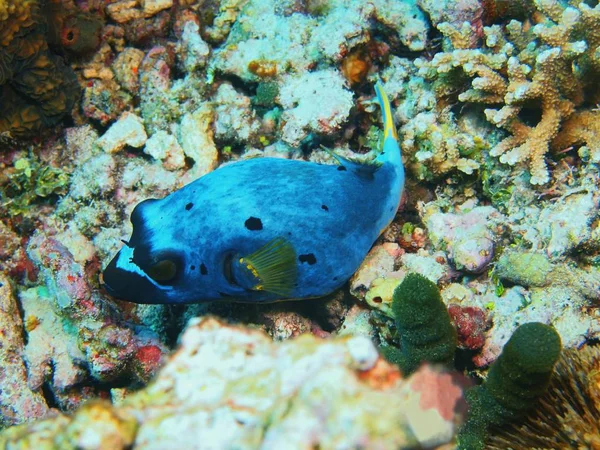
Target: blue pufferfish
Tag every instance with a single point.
(261, 230)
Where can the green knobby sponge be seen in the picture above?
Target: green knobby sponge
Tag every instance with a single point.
(515, 381)
(423, 323)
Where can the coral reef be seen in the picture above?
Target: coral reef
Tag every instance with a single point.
(520, 375)
(29, 181)
(497, 109)
(231, 387)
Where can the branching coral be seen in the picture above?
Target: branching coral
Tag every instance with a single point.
(547, 67)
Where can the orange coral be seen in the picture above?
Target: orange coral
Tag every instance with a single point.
(263, 68)
(14, 16)
(355, 66)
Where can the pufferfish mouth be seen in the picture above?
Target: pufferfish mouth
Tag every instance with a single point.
(123, 275)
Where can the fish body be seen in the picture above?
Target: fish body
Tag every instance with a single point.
(260, 230)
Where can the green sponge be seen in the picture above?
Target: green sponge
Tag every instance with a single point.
(423, 324)
(517, 378)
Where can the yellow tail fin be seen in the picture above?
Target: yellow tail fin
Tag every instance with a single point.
(386, 110)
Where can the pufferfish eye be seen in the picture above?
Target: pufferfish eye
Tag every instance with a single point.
(163, 271)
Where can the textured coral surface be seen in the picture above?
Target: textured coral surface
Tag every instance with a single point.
(496, 106)
(227, 387)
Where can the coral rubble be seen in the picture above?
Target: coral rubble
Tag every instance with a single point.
(231, 387)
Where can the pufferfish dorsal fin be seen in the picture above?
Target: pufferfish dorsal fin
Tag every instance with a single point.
(363, 168)
(273, 266)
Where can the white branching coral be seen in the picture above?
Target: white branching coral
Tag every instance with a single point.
(547, 66)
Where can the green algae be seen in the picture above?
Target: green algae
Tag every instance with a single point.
(31, 182)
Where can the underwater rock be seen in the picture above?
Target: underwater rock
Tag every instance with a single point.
(557, 294)
(18, 401)
(196, 138)
(164, 147)
(128, 130)
(79, 337)
(235, 120)
(471, 323)
(126, 68)
(297, 42)
(193, 52)
(233, 387)
(468, 237)
(316, 102)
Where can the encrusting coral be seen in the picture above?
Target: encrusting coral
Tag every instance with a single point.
(522, 68)
(36, 87)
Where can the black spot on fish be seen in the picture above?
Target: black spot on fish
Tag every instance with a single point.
(341, 168)
(253, 224)
(203, 269)
(189, 206)
(324, 207)
(192, 267)
(335, 278)
(391, 208)
(308, 258)
(1, 285)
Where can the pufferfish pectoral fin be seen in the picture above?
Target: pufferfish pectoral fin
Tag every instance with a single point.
(272, 267)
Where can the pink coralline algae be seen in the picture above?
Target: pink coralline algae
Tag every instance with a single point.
(471, 323)
(97, 342)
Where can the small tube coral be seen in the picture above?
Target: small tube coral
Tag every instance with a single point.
(518, 377)
(423, 323)
(568, 415)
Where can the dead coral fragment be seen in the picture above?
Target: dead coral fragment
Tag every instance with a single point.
(568, 415)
